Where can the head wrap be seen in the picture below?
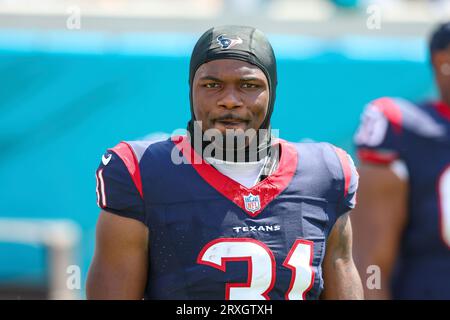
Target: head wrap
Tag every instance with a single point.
(440, 38)
(239, 43)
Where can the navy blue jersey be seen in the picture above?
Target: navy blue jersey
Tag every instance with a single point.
(212, 238)
(418, 135)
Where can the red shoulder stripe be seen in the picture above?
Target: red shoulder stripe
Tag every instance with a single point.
(391, 110)
(376, 157)
(126, 153)
(443, 109)
(345, 164)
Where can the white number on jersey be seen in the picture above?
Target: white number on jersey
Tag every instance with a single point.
(444, 204)
(373, 128)
(261, 267)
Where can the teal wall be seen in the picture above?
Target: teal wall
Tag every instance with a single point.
(67, 96)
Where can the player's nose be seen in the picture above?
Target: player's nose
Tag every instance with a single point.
(230, 99)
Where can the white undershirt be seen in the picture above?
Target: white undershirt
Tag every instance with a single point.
(246, 173)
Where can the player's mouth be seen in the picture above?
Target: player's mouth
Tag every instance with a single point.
(231, 123)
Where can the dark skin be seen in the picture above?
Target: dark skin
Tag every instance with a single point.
(380, 218)
(441, 61)
(230, 94)
(227, 94)
(119, 268)
(341, 278)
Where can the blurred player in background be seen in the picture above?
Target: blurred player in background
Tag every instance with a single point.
(403, 219)
(272, 224)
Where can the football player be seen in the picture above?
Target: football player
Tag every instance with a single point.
(198, 217)
(402, 227)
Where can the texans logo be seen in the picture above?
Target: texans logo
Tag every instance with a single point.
(227, 43)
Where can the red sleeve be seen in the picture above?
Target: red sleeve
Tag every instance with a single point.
(380, 131)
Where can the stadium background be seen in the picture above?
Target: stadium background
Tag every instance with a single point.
(77, 77)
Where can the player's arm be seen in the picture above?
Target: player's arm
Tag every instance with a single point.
(119, 267)
(341, 278)
(379, 219)
(381, 214)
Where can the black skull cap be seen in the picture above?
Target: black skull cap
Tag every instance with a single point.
(440, 38)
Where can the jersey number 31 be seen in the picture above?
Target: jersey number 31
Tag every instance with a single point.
(261, 267)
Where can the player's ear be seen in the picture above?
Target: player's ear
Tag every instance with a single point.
(441, 62)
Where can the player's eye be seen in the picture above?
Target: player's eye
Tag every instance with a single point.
(211, 85)
(250, 85)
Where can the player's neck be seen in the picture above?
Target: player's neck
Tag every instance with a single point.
(220, 151)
